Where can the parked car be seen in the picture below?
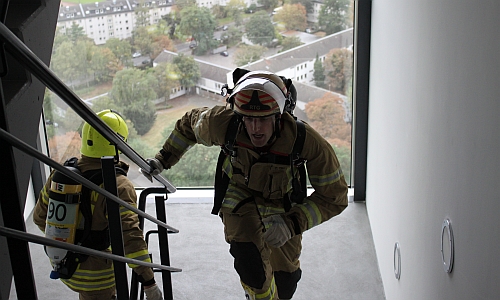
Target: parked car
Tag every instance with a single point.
(136, 54)
(225, 27)
(224, 53)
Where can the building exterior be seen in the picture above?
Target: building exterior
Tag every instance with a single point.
(117, 18)
(298, 63)
(213, 77)
(312, 17)
(110, 19)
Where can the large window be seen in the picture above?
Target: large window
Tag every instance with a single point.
(155, 71)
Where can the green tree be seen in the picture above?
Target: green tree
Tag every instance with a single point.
(308, 4)
(334, 16)
(328, 116)
(160, 43)
(344, 156)
(142, 115)
(133, 91)
(290, 42)
(120, 48)
(142, 148)
(199, 23)
(319, 72)
(48, 113)
(182, 4)
(196, 168)
(269, 4)
(293, 16)
(234, 35)
(84, 50)
(161, 27)
(141, 14)
(235, 9)
(219, 11)
(142, 40)
(173, 20)
(63, 63)
(188, 70)
(75, 32)
(259, 28)
(338, 67)
(251, 8)
(167, 79)
(72, 61)
(247, 54)
(59, 38)
(104, 64)
(103, 103)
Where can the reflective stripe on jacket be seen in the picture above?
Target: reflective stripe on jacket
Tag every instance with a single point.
(97, 273)
(268, 181)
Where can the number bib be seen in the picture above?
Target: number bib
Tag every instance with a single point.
(61, 221)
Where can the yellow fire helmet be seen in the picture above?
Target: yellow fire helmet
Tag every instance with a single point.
(94, 144)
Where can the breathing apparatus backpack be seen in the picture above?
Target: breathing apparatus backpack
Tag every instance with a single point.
(62, 215)
(299, 189)
(67, 199)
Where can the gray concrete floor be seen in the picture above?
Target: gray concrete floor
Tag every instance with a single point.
(338, 258)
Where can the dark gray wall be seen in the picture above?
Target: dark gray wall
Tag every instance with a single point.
(34, 23)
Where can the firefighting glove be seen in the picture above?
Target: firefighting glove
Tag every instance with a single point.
(156, 168)
(153, 293)
(277, 232)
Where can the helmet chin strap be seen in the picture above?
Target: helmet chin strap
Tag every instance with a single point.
(277, 130)
(117, 155)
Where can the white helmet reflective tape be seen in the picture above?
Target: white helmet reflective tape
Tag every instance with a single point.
(258, 97)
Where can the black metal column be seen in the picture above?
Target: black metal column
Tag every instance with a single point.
(362, 84)
(115, 227)
(164, 250)
(13, 217)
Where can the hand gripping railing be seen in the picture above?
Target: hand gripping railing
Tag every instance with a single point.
(114, 219)
(162, 234)
(47, 160)
(32, 63)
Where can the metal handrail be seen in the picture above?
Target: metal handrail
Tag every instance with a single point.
(32, 63)
(8, 232)
(47, 160)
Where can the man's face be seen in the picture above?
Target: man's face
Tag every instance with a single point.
(260, 129)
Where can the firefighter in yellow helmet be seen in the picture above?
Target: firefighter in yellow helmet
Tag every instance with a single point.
(93, 277)
(259, 187)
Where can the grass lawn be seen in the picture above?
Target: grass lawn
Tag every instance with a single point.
(94, 90)
(164, 119)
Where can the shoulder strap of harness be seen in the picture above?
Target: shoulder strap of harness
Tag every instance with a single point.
(299, 141)
(97, 240)
(231, 132)
(299, 189)
(95, 176)
(221, 178)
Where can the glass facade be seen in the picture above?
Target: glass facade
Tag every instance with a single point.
(155, 62)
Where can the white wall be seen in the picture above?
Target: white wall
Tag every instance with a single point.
(434, 146)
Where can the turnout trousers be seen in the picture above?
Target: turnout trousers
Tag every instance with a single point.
(265, 272)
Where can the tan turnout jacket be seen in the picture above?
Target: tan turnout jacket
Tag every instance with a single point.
(97, 273)
(265, 181)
